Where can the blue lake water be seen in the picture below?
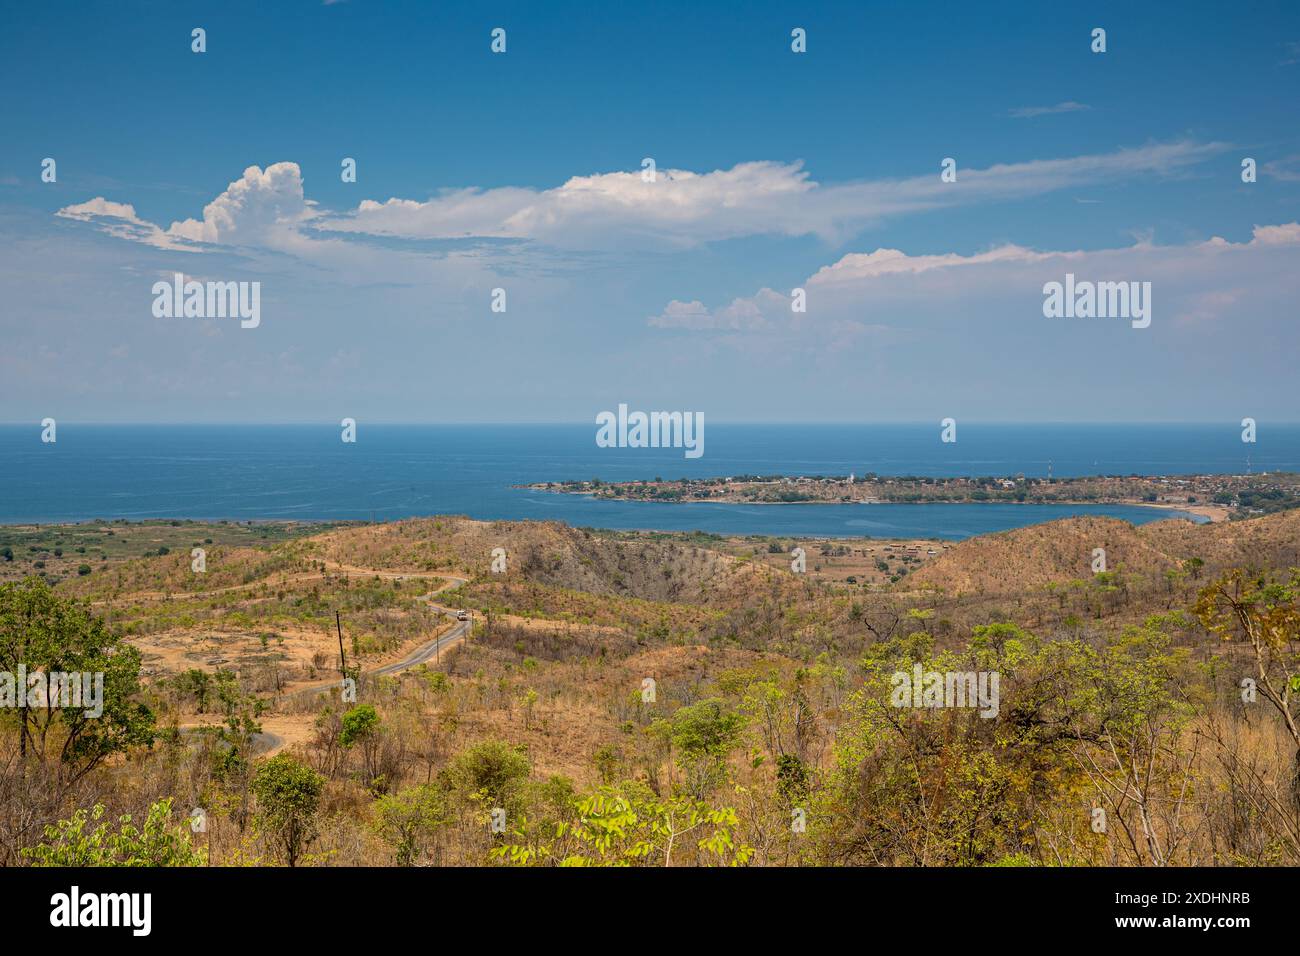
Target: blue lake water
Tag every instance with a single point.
(304, 472)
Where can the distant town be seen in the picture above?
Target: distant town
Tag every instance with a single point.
(1218, 497)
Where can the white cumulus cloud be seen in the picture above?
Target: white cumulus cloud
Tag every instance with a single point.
(680, 209)
(1204, 281)
(251, 211)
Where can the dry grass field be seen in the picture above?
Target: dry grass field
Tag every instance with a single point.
(686, 675)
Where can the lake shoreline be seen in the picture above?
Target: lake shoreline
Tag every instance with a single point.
(1211, 513)
(1206, 514)
(305, 474)
(1214, 497)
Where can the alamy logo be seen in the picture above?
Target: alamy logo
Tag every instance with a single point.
(103, 909)
(921, 688)
(208, 300)
(1098, 300)
(55, 689)
(652, 430)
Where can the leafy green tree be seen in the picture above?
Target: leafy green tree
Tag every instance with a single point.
(159, 843)
(1127, 705)
(1266, 613)
(634, 828)
(360, 728)
(530, 701)
(358, 724)
(704, 734)
(785, 717)
(942, 785)
(406, 820)
(195, 683)
(436, 680)
(492, 768)
(288, 797)
(42, 630)
(792, 779)
(608, 760)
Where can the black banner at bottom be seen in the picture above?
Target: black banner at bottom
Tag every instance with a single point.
(153, 906)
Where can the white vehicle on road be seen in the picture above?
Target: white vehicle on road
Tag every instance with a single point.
(462, 615)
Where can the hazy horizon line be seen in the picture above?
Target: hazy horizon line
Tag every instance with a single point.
(729, 422)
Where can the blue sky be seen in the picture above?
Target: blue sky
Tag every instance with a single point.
(776, 170)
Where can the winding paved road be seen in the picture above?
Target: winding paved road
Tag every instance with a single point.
(270, 742)
(421, 654)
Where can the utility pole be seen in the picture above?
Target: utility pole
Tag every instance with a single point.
(343, 661)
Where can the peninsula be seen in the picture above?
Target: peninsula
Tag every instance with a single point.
(1217, 497)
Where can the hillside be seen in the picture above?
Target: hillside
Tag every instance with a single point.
(1032, 558)
(649, 567)
(683, 673)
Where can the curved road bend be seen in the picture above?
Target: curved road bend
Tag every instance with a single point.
(424, 652)
(267, 742)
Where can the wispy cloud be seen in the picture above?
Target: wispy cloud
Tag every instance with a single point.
(680, 209)
(1029, 112)
(1286, 169)
(684, 208)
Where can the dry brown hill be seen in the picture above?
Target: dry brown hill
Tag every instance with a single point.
(652, 568)
(1029, 559)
